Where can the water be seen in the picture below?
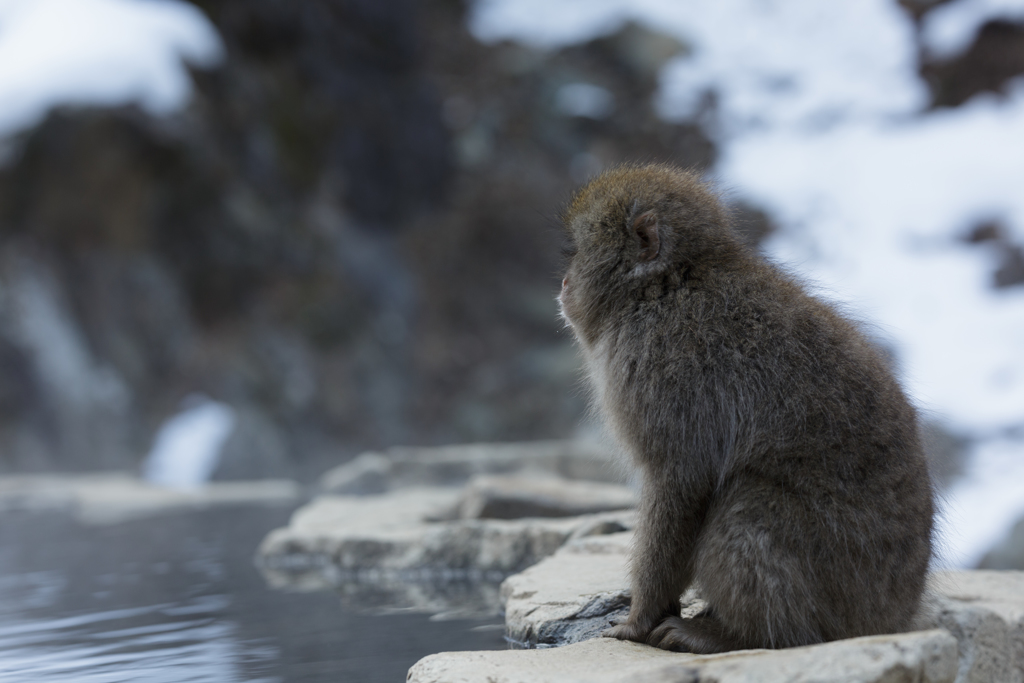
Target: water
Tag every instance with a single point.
(177, 598)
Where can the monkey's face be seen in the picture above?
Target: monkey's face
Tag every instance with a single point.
(594, 268)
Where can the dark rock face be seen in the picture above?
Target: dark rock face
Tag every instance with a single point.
(994, 58)
(348, 236)
(330, 88)
(1009, 256)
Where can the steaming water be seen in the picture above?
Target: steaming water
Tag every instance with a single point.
(177, 598)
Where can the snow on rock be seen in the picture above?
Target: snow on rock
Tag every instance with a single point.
(949, 29)
(98, 52)
(769, 63)
(875, 215)
(820, 117)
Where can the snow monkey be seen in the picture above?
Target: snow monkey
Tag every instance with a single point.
(781, 467)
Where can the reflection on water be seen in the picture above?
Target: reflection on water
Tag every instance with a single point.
(158, 643)
(177, 598)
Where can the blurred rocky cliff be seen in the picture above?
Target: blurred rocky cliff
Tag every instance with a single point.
(350, 237)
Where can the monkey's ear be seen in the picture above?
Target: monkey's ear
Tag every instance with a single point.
(645, 232)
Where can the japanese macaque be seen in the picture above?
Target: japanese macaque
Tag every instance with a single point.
(781, 465)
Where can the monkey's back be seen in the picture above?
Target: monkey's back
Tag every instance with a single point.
(818, 510)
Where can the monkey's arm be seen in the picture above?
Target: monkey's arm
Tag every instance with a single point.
(661, 566)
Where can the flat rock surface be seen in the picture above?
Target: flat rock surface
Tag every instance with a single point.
(984, 610)
(919, 657)
(116, 496)
(400, 467)
(505, 496)
(576, 593)
(571, 597)
(390, 546)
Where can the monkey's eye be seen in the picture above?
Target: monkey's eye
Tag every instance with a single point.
(568, 251)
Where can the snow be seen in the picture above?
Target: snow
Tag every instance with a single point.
(187, 447)
(770, 63)
(546, 25)
(820, 118)
(982, 507)
(98, 52)
(877, 212)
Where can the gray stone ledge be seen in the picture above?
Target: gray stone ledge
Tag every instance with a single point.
(984, 610)
(568, 598)
(386, 548)
(401, 467)
(573, 595)
(919, 657)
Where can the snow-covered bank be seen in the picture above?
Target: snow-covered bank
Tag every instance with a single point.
(820, 117)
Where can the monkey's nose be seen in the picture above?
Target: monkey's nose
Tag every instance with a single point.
(565, 281)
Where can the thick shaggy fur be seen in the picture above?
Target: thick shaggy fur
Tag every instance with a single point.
(781, 463)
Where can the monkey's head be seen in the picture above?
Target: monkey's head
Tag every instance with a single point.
(636, 231)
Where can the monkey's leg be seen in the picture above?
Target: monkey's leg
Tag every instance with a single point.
(702, 634)
(661, 565)
(757, 573)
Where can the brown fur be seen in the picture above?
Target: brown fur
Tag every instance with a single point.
(782, 471)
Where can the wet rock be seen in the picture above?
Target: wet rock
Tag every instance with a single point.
(400, 467)
(116, 497)
(384, 549)
(922, 657)
(514, 497)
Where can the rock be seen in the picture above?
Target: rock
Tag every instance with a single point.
(574, 594)
(512, 497)
(984, 610)
(920, 657)
(454, 465)
(369, 473)
(255, 449)
(544, 609)
(379, 549)
(571, 598)
(1009, 554)
(989, 64)
(117, 497)
(344, 231)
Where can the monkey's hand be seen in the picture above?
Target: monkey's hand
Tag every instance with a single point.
(628, 631)
(640, 622)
